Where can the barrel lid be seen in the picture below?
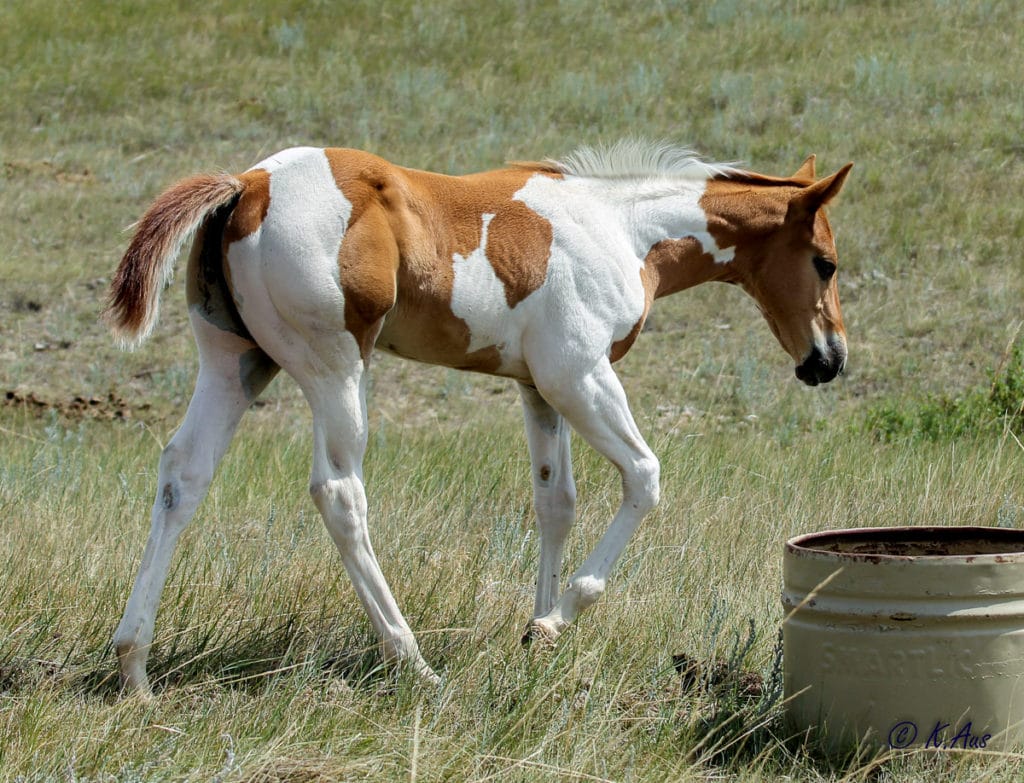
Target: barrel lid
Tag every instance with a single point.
(875, 544)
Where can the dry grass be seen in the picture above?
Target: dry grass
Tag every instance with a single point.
(265, 666)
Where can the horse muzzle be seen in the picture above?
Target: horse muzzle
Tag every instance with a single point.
(822, 366)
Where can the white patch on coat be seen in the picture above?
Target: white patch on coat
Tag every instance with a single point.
(677, 214)
(478, 296)
(593, 295)
(308, 213)
(672, 177)
(285, 274)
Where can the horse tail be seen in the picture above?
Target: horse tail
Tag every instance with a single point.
(148, 263)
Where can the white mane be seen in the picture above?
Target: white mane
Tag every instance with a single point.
(640, 159)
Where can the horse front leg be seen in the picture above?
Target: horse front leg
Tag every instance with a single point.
(596, 406)
(554, 491)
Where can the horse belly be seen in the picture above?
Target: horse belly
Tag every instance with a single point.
(434, 335)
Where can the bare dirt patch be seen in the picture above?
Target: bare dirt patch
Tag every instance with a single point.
(108, 408)
(65, 175)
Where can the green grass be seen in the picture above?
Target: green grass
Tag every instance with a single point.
(266, 668)
(996, 406)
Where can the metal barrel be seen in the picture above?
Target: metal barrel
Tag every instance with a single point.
(905, 638)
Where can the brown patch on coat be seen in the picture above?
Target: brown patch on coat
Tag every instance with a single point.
(620, 347)
(397, 258)
(518, 234)
(746, 209)
(671, 265)
(369, 288)
(674, 265)
(368, 256)
(251, 209)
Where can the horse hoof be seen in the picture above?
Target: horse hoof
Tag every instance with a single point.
(539, 632)
(141, 692)
(428, 676)
(416, 673)
(420, 671)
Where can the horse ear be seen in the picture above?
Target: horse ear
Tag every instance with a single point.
(806, 170)
(809, 200)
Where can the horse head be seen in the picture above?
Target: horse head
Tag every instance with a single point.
(785, 258)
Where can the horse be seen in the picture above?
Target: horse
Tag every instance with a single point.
(541, 272)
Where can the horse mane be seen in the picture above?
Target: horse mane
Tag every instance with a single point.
(638, 159)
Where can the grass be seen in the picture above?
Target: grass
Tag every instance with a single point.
(266, 668)
(265, 660)
(993, 407)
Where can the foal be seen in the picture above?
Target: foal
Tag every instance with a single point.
(540, 272)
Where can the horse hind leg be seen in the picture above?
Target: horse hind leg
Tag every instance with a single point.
(554, 492)
(232, 372)
(336, 486)
(322, 336)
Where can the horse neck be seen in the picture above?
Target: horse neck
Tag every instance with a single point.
(668, 227)
(674, 265)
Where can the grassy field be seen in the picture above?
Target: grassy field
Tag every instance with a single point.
(266, 669)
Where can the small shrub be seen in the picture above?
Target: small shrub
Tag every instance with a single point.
(940, 417)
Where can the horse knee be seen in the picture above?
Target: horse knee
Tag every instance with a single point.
(564, 498)
(342, 504)
(175, 504)
(643, 486)
(183, 478)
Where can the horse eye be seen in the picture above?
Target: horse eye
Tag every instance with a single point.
(824, 267)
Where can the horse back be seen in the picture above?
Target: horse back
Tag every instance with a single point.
(462, 253)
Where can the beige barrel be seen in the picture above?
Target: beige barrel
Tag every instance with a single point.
(909, 637)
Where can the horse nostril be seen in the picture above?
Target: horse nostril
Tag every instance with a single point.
(806, 375)
(820, 367)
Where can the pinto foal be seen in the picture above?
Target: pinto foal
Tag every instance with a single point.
(543, 273)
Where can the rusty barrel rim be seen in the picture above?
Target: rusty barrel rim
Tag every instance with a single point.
(925, 544)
